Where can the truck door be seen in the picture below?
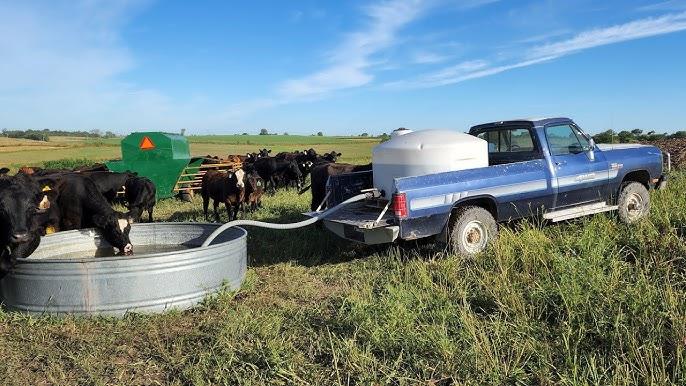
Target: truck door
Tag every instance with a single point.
(581, 178)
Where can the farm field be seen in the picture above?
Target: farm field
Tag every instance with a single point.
(590, 301)
(15, 153)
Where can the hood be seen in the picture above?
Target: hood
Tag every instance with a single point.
(619, 146)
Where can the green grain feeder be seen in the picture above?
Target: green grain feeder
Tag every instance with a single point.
(161, 157)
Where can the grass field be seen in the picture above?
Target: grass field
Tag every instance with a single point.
(15, 153)
(590, 301)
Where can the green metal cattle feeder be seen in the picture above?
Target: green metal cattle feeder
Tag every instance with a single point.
(166, 160)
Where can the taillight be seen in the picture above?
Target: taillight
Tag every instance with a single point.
(400, 205)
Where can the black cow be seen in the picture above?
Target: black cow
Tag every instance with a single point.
(228, 188)
(109, 183)
(91, 168)
(320, 175)
(272, 170)
(21, 199)
(40, 172)
(81, 205)
(4, 171)
(140, 196)
(331, 156)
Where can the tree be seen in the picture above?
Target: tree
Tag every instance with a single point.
(607, 136)
(638, 132)
(679, 134)
(244, 134)
(320, 134)
(183, 131)
(364, 135)
(625, 136)
(285, 133)
(264, 132)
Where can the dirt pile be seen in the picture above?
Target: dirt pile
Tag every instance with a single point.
(676, 147)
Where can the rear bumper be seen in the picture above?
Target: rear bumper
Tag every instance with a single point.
(380, 235)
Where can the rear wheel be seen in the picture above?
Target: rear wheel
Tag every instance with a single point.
(472, 229)
(633, 202)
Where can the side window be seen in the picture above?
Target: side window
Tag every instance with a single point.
(565, 139)
(508, 140)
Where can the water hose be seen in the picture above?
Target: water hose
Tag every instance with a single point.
(294, 225)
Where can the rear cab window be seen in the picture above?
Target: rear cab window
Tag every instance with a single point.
(510, 144)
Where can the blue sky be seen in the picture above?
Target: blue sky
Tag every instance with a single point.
(341, 67)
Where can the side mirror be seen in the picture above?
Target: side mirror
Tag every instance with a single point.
(591, 149)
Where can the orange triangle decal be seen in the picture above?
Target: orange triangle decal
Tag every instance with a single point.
(146, 144)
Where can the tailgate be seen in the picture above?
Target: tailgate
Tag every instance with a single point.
(363, 216)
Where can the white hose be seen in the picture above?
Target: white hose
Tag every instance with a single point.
(294, 225)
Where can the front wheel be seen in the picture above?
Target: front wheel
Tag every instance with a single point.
(633, 202)
(472, 229)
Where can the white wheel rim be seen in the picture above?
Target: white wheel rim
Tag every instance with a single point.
(474, 236)
(634, 206)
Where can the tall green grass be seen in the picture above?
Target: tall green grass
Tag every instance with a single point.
(591, 301)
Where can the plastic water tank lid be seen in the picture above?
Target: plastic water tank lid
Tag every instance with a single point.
(428, 139)
(401, 131)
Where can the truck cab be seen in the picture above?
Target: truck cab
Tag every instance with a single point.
(547, 168)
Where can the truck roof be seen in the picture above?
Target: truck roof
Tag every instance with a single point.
(529, 121)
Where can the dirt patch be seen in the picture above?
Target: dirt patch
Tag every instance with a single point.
(676, 147)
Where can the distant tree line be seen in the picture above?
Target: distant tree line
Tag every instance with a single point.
(635, 135)
(45, 134)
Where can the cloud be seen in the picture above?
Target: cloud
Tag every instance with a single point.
(350, 63)
(620, 33)
(62, 64)
(480, 68)
(669, 5)
(425, 57)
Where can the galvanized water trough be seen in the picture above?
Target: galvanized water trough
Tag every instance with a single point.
(170, 269)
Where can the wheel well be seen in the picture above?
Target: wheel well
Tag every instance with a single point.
(487, 203)
(640, 176)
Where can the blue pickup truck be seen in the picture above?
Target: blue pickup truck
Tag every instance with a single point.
(553, 170)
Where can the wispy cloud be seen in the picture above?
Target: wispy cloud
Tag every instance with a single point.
(350, 63)
(668, 5)
(426, 57)
(61, 66)
(544, 37)
(620, 33)
(536, 54)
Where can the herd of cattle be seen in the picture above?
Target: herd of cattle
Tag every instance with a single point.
(35, 202)
(260, 172)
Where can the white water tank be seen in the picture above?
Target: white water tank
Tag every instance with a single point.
(425, 152)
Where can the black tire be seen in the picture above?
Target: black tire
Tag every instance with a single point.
(633, 202)
(472, 228)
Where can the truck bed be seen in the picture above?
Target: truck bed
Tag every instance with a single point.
(361, 222)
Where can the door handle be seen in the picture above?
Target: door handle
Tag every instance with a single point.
(560, 163)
